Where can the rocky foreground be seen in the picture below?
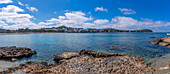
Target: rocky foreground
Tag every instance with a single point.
(162, 41)
(160, 64)
(15, 52)
(87, 62)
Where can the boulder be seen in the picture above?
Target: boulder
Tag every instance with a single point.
(15, 52)
(164, 43)
(65, 55)
(156, 41)
(151, 37)
(166, 39)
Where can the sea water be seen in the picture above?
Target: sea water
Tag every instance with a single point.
(49, 44)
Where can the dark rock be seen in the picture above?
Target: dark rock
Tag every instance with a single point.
(65, 55)
(89, 62)
(168, 46)
(114, 47)
(156, 41)
(15, 52)
(151, 37)
(97, 53)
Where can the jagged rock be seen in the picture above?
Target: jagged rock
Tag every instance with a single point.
(89, 62)
(15, 52)
(65, 55)
(156, 41)
(162, 41)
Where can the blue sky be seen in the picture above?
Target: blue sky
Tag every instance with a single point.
(119, 14)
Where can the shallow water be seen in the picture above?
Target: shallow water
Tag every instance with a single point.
(49, 44)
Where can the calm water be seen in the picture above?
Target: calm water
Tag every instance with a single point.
(47, 45)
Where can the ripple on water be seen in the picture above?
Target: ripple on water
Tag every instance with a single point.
(47, 45)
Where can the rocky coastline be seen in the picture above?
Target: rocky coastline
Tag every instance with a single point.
(87, 62)
(14, 52)
(162, 41)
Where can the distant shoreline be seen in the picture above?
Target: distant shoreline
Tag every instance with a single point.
(63, 32)
(64, 29)
(25, 33)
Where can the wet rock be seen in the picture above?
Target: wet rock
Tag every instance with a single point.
(114, 47)
(162, 41)
(156, 41)
(15, 52)
(65, 55)
(97, 53)
(151, 37)
(91, 62)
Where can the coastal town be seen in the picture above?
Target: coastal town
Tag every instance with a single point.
(64, 29)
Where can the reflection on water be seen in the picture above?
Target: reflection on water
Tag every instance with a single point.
(47, 45)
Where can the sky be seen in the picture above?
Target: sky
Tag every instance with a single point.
(118, 14)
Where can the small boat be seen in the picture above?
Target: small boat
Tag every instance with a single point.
(168, 33)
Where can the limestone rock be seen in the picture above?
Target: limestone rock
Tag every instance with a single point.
(88, 62)
(15, 52)
(65, 55)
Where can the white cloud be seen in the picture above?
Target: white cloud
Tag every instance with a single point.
(62, 17)
(124, 21)
(79, 19)
(66, 10)
(28, 7)
(120, 22)
(11, 9)
(20, 3)
(126, 11)
(5, 1)
(101, 9)
(2, 23)
(44, 24)
(31, 8)
(13, 15)
(71, 19)
(101, 21)
(89, 25)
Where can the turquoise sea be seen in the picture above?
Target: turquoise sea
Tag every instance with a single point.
(49, 44)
